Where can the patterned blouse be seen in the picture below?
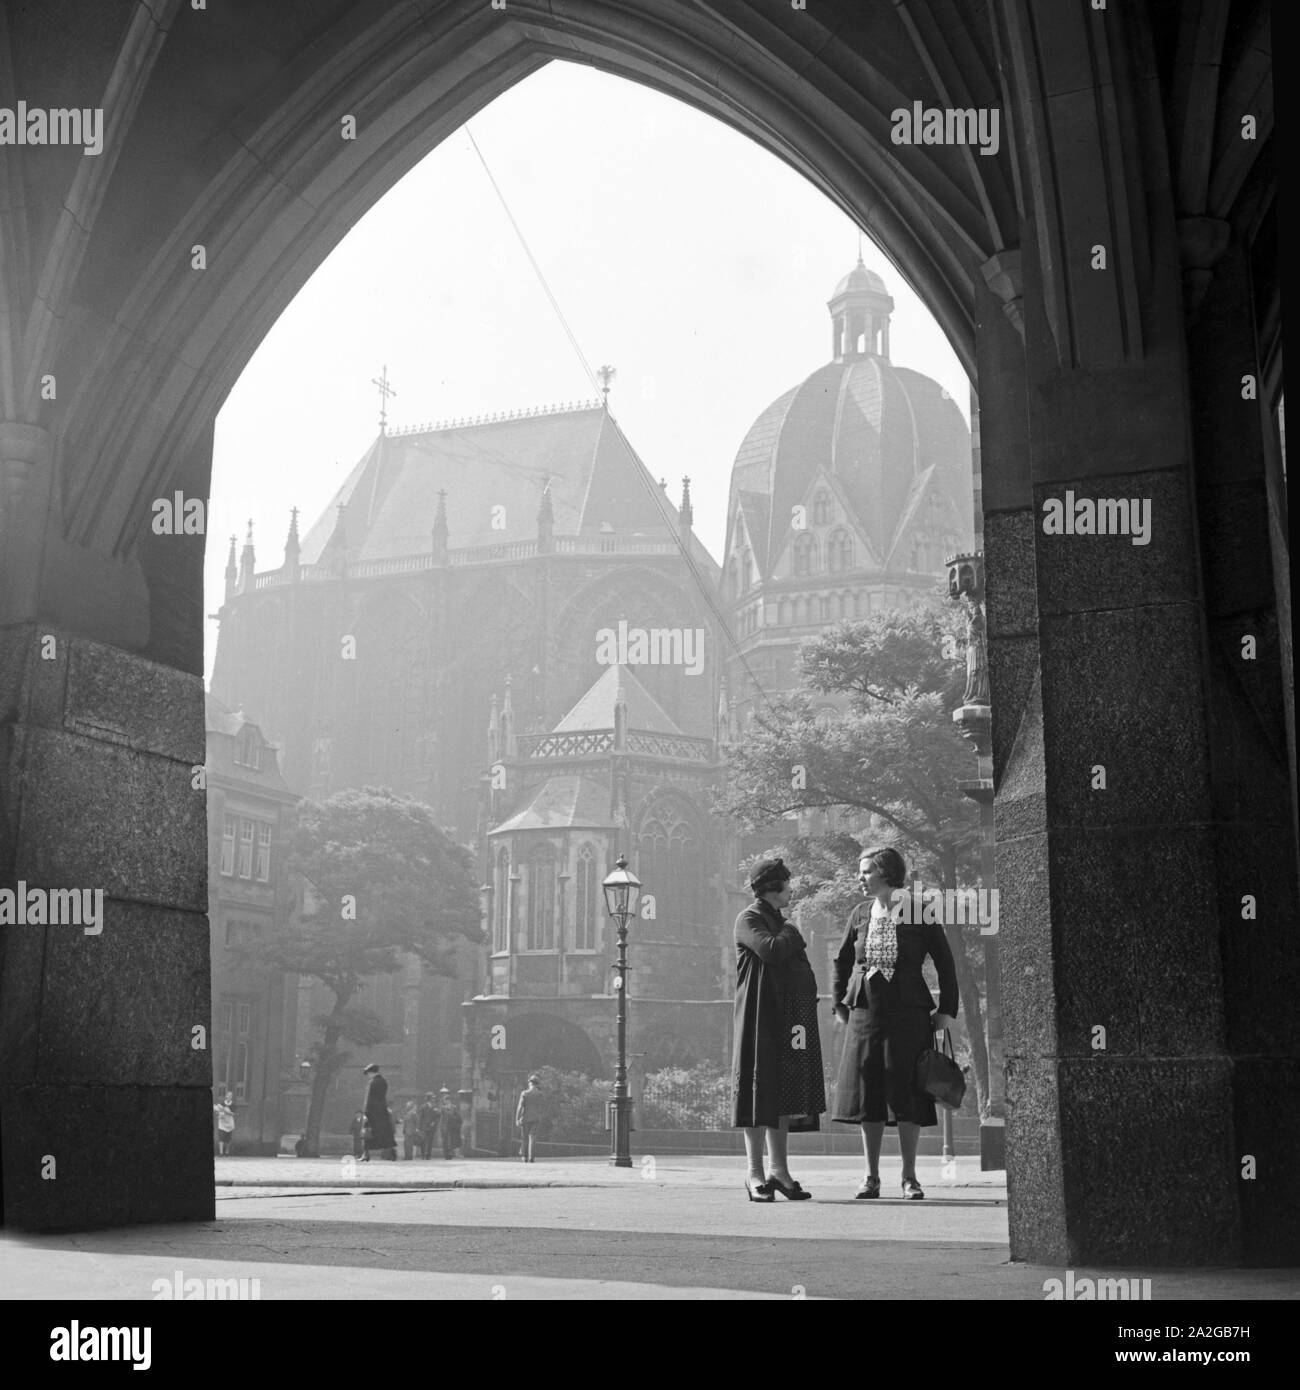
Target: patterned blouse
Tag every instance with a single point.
(880, 951)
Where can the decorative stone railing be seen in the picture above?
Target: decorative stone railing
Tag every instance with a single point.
(588, 742)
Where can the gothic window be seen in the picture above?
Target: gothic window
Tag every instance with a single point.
(670, 865)
(541, 901)
(839, 551)
(805, 554)
(501, 902)
(393, 684)
(821, 509)
(585, 900)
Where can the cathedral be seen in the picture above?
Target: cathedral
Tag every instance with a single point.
(508, 618)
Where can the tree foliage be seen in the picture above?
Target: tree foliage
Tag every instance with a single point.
(381, 880)
(868, 735)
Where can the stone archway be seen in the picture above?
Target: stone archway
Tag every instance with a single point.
(1107, 276)
(548, 1040)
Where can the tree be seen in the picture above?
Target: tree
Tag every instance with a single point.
(383, 880)
(886, 748)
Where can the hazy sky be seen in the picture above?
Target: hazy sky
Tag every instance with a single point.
(679, 251)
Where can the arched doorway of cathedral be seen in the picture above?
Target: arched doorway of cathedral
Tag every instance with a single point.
(546, 1040)
(1090, 272)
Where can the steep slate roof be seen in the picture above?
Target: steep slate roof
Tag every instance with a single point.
(561, 803)
(596, 708)
(597, 480)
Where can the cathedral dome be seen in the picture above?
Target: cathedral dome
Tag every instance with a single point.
(860, 278)
(878, 449)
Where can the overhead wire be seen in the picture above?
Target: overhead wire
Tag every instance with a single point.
(647, 482)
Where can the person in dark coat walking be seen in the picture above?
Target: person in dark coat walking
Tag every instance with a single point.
(451, 1124)
(379, 1123)
(881, 996)
(428, 1124)
(776, 1061)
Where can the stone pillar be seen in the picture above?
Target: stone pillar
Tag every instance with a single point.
(105, 1084)
(1129, 821)
(1244, 567)
(106, 1103)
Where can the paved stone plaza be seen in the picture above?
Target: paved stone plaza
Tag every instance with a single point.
(578, 1229)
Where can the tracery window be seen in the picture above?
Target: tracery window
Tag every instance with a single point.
(805, 554)
(541, 901)
(585, 911)
(839, 551)
(671, 865)
(501, 902)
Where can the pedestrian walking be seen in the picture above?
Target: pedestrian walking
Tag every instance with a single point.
(428, 1124)
(528, 1115)
(378, 1133)
(451, 1124)
(410, 1129)
(776, 1060)
(225, 1125)
(882, 999)
(358, 1126)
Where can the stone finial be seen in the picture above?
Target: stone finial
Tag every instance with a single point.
(247, 560)
(292, 545)
(686, 513)
(232, 572)
(545, 521)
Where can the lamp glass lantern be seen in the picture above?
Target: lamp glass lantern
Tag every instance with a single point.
(622, 892)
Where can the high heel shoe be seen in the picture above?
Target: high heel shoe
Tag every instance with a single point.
(869, 1187)
(912, 1190)
(759, 1191)
(791, 1193)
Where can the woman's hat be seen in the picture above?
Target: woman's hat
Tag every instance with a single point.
(374, 1066)
(767, 874)
(534, 1078)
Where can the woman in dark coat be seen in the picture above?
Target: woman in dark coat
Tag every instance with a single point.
(777, 1059)
(881, 995)
(379, 1123)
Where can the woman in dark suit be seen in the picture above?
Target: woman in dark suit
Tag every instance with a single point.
(882, 998)
(777, 1060)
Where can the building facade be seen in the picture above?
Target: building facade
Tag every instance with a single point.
(250, 818)
(553, 596)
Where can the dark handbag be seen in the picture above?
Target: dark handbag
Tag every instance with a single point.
(939, 1076)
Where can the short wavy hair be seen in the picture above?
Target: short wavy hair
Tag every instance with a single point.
(889, 863)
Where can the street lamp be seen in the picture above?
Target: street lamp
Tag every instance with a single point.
(622, 890)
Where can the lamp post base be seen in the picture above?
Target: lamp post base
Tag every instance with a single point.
(622, 1155)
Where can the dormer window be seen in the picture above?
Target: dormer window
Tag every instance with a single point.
(248, 747)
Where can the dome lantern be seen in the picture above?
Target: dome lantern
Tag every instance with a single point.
(860, 310)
